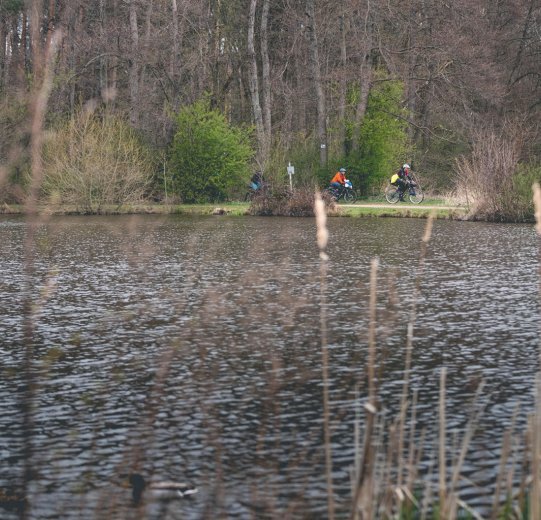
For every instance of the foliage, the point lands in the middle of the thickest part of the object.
(521, 192)
(384, 144)
(11, 6)
(94, 160)
(209, 158)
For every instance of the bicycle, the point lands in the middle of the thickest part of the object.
(344, 192)
(263, 190)
(413, 190)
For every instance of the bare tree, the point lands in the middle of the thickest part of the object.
(318, 83)
(134, 63)
(266, 81)
(254, 87)
(364, 36)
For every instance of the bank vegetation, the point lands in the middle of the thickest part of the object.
(192, 97)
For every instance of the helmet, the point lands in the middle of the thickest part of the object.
(406, 166)
(342, 170)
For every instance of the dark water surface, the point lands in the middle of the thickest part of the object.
(190, 349)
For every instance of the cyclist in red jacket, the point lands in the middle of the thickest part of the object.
(339, 179)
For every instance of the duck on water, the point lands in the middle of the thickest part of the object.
(159, 490)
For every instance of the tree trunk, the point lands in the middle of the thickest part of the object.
(365, 79)
(343, 87)
(254, 86)
(3, 63)
(318, 84)
(174, 55)
(51, 16)
(267, 97)
(34, 62)
(134, 65)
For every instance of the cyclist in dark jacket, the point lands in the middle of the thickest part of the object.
(256, 181)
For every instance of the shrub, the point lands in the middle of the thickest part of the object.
(209, 159)
(93, 160)
(283, 202)
(496, 186)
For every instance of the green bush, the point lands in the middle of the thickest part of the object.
(519, 201)
(93, 160)
(210, 159)
(384, 143)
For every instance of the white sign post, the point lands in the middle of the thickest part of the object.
(290, 172)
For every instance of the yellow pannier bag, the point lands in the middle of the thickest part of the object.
(394, 178)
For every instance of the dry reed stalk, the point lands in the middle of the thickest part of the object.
(442, 443)
(362, 506)
(537, 205)
(387, 472)
(372, 333)
(411, 464)
(322, 240)
(36, 135)
(502, 466)
(321, 224)
(427, 498)
(368, 486)
(470, 429)
(535, 495)
(506, 450)
(409, 339)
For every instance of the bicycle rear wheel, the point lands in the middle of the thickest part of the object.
(391, 194)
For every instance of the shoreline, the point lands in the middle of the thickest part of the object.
(241, 209)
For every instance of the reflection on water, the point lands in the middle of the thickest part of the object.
(190, 348)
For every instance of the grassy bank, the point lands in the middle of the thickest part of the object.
(360, 209)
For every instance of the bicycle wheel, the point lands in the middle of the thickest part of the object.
(417, 196)
(391, 194)
(350, 196)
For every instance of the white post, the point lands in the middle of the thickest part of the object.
(290, 172)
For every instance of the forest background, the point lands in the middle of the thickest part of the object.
(112, 101)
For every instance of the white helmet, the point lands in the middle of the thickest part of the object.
(406, 167)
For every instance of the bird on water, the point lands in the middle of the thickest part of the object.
(160, 490)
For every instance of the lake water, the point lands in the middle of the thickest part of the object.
(189, 348)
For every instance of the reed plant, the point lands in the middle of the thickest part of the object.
(493, 180)
(386, 481)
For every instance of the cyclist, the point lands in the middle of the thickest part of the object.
(339, 179)
(256, 181)
(401, 179)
